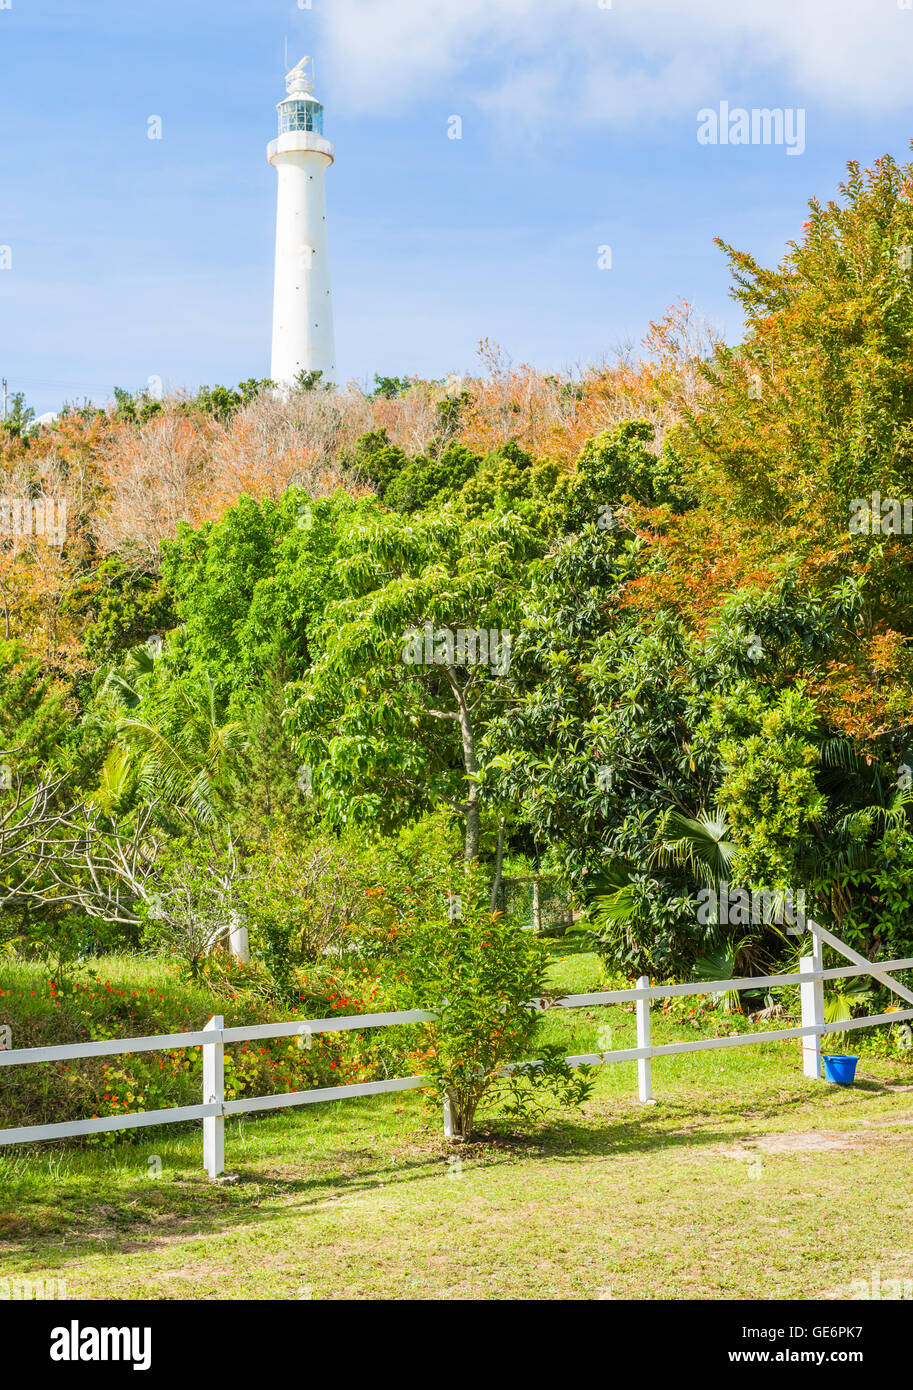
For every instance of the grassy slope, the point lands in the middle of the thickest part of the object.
(744, 1180)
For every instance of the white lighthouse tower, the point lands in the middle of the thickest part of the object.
(302, 305)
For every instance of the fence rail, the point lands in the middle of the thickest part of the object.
(215, 1036)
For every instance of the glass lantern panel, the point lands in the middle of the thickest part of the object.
(301, 115)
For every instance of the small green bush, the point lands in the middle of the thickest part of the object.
(478, 971)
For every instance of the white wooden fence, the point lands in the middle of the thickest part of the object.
(215, 1035)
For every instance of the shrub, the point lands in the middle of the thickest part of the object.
(192, 906)
(640, 928)
(478, 971)
(298, 902)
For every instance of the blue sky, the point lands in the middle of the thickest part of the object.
(134, 258)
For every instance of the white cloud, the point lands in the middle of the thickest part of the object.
(576, 63)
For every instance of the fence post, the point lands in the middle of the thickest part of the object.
(448, 1115)
(238, 939)
(214, 1090)
(644, 1080)
(811, 995)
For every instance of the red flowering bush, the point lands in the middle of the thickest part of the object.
(92, 1008)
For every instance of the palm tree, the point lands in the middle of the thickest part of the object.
(845, 844)
(719, 963)
(703, 848)
(700, 847)
(118, 782)
(126, 681)
(171, 746)
(181, 755)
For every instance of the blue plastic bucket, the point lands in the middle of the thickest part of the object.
(840, 1068)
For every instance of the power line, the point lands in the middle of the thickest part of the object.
(31, 383)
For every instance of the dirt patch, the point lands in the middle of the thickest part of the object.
(813, 1141)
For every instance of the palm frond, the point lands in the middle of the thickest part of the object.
(116, 776)
(620, 906)
(840, 753)
(702, 847)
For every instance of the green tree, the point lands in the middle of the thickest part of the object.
(250, 589)
(121, 605)
(390, 387)
(413, 662)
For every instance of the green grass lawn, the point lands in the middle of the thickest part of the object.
(743, 1180)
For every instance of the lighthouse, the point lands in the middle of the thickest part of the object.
(302, 304)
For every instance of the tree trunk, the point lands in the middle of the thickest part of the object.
(496, 885)
(462, 1111)
(472, 807)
